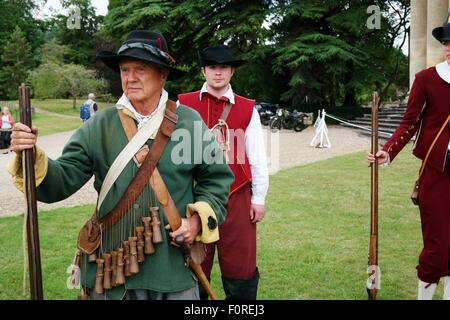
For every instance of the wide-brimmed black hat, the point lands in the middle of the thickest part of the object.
(442, 33)
(219, 54)
(143, 45)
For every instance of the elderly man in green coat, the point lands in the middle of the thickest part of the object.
(191, 166)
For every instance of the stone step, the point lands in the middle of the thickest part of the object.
(381, 135)
(389, 119)
(383, 116)
(383, 120)
(400, 111)
(368, 124)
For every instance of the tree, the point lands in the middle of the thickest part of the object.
(52, 80)
(54, 52)
(79, 41)
(19, 13)
(45, 81)
(16, 62)
(77, 80)
(189, 26)
(329, 52)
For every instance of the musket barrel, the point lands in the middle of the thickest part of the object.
(34, 257)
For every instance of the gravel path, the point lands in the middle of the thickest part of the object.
(294, 150)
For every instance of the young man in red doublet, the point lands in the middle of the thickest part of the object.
(235, 116)
(428, 109)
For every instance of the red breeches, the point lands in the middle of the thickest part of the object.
(434, 204)
(237, 244)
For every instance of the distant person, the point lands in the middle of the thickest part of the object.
(231, 114)
(88, 108)
(6, 124)
(428, 114)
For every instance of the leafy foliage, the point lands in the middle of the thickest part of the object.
(303, 55)
(16, 61)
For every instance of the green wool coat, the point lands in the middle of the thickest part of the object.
(91, 151)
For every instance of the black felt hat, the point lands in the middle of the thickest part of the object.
(442, 33)
(219, 54)
(146, 46)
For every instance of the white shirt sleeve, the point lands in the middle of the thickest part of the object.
(256, 153)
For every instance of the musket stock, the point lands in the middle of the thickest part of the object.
(34, 257)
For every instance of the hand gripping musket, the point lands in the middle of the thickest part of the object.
(174, 219)
(34, 257)
(373, 269)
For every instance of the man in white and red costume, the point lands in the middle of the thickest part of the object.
(238, 121)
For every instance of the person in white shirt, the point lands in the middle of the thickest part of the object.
(236, 123)
(6, 123)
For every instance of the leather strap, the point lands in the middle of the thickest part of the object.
(138, 142)
(130, 130)
(226, 111)
(432, 145)
(170, 210)
(144, 173)
(156, 181)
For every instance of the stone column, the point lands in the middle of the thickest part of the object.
(418, 38)
(436, 13)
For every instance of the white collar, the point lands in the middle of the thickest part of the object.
(443, 70)
(124, 103)
(229, 94)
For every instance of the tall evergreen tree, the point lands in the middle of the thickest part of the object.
(191, 25)
(20, 13)
(16, 62)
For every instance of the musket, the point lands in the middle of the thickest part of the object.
(34, 257)
(174, 220)
(373, 269)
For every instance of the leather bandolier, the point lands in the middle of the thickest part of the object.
(119, 240)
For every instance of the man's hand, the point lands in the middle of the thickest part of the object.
(23, 137)
(189, 229)
(381, 156)
(257, 212)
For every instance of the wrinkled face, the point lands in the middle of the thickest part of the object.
(446, 49)
(218, 76)
(140, 80)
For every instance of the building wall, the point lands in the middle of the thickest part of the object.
(425, 50)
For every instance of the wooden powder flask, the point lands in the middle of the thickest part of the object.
(134, 265)
(140, 244)
(99, 277)
(114, 268)
(107, 271)
(156, 223)
(148, 236)
(120, 277)
(126, 257)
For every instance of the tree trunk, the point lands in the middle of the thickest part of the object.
(74, 102)
(350, 97)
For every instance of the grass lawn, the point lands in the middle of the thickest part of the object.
(65, 106)
(49, 124)
(313, 243)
